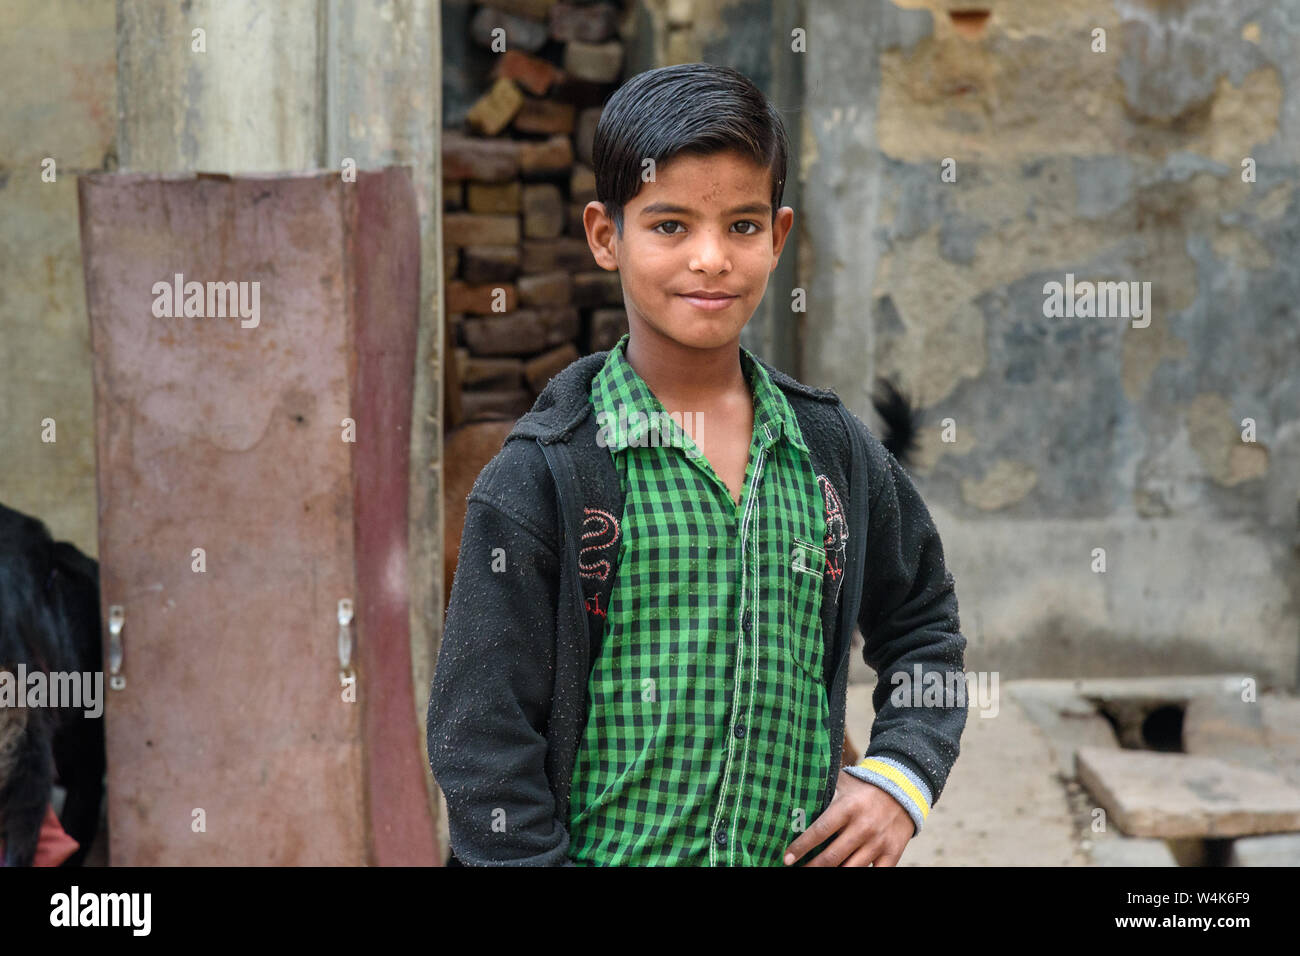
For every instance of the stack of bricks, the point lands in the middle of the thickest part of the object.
(524, 296)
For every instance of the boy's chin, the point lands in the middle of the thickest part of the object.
(702, 333)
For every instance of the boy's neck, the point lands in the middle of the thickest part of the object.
(683, 378)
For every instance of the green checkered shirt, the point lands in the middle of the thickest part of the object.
(706, 742)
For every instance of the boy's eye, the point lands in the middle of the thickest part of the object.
(674, 222)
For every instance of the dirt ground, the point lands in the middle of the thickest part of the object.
(1003, 804)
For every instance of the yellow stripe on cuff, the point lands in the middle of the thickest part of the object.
(900, 778)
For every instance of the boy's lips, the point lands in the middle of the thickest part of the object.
(708, 301)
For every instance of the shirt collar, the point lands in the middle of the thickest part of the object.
(632, 412)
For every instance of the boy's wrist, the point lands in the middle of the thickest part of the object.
(897, 777)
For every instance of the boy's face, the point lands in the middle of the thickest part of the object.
(704, 224)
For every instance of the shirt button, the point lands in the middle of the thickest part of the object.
(747, 626)
(721, 838)
(740, 730)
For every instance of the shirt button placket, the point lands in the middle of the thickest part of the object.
(732, 788)
(747, 634)
(748, 611)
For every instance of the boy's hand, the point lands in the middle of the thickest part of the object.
(873, 828)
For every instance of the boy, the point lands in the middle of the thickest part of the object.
(646, 650)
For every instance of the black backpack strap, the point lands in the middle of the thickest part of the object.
(859, 506)
(591, 506)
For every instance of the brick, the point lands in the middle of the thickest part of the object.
(599, 288)
(460, 355)
(481, 264)
(532, 9)
(607, 327)
(581, 93)
(585, 135)
(545, 116)
(543, 211)
(582, 184)
(521, 33)
(548, 255)
(453, 194)
(573, 223)
(479, 299)
(590, 23)
(594, 62)
(522, 332)
(494, 110)
(450, 262)
(554, 155)
(499, 373)
(538, 371)
(461, 229)
(485, 160)
(512, 402)
(549, 288)
(532, 73)
(455, 331)
(495, 198)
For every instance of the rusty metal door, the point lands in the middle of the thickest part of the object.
(254, 343)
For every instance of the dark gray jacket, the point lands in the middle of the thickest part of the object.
(509, 699)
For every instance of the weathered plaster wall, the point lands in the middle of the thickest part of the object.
(1075, 433)
(58, 74)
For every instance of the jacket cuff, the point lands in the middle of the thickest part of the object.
(897, 778)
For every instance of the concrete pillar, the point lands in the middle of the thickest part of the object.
(296, 85)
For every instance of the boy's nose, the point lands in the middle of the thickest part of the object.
(709, 254)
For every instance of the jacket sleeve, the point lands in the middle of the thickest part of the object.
(909, 620)
(492, 688)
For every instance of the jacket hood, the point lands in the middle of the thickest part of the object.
(564, 402)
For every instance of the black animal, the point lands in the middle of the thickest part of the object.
(49, 621)
(902, 421)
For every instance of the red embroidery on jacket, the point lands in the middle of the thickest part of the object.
(603, 526)
(837, 534)
(593, 605)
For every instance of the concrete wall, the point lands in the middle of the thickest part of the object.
(1073, 434)
(58, 73)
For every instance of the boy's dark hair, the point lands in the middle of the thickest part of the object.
(696, 108)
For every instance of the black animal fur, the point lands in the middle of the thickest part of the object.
(49, 621)
(902, 421)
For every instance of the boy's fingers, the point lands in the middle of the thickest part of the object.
(848, 844)
(821, 830)
(888, 859)
(865, 856)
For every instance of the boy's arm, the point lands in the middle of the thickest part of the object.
(908, 617)
(491, 695)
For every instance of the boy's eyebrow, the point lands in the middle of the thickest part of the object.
(656, 208)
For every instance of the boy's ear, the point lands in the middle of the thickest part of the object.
(601, 235)
(781, 232)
